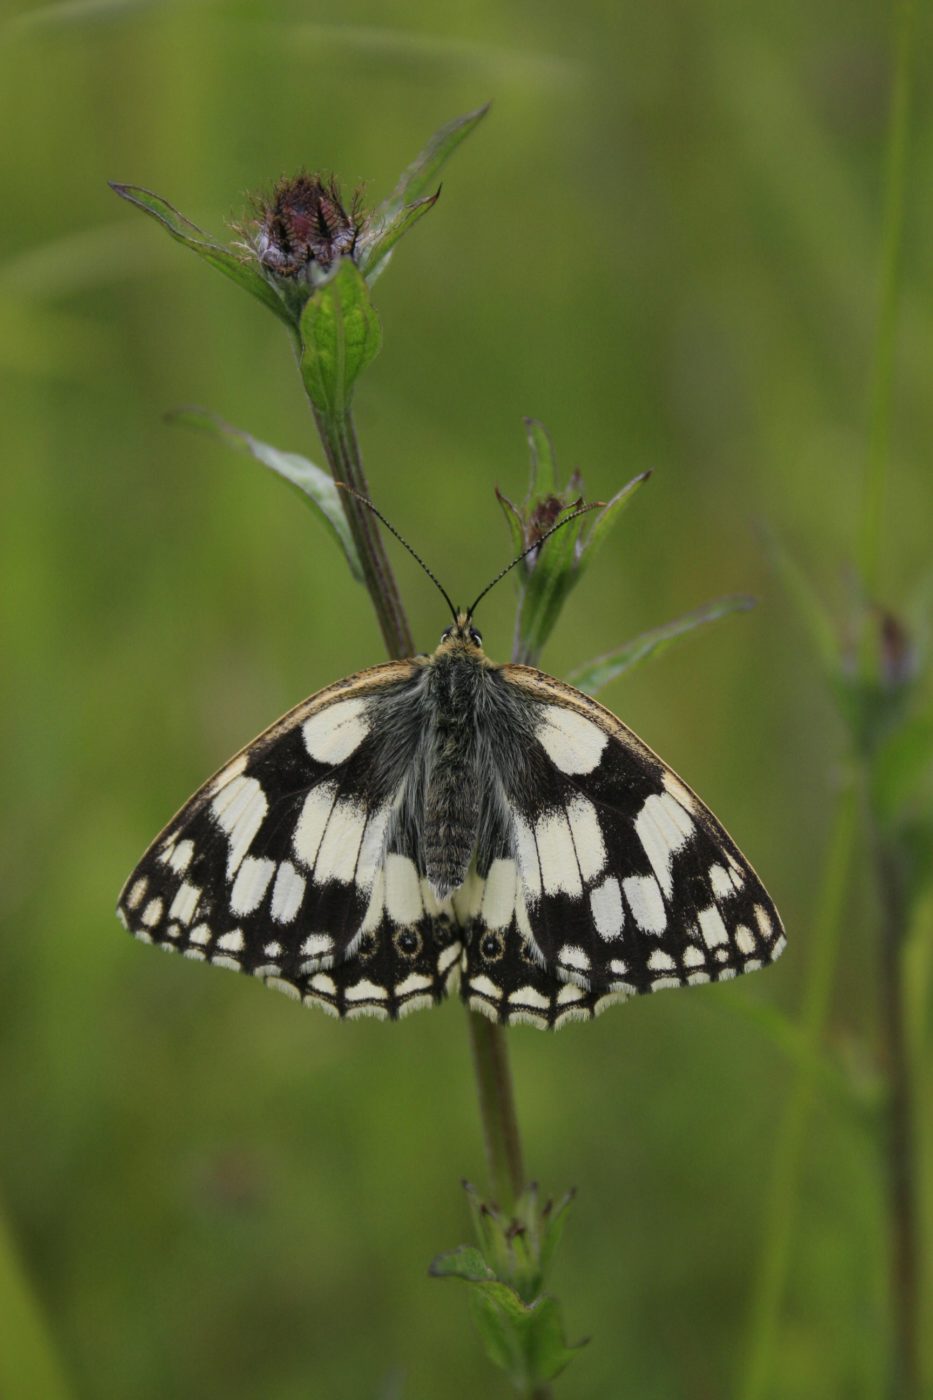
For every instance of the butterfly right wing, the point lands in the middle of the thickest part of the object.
(289, 864)
(609, 878)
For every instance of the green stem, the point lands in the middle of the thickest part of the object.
(902, 1193)
(873, 494)
(341, 448)
(768, 1288)
(497, 1110)
(900, 1137)
(489, 1050)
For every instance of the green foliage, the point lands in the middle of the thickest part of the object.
(340, 335)
(411, 198)
(520, 1325)
(594, 675)
(547, 575)
(232, 265)
(313, 485)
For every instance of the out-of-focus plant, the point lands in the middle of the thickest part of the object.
(877, 667)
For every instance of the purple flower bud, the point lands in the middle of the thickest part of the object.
(304, 228)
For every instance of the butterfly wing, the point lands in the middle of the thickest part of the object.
(290, 863)
(621, 880)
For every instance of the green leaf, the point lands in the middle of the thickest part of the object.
(421, 177)
(525, 1341)
(375, 244)
(243, 273)
(514, 520)
(596, 674)
(553, 1229)
(608, 516)
(547, 588)
(464, 1262)
(340, 334)
(543, 460)
(316, 487)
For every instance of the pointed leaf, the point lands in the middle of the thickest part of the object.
(340, 334)
(553, 1229)
(608, 516)
(596, 674)
(421, 177)
(510, 511)
(543, 460)
(316, 487)
(182, 229)
(375, 244)
(464, 1262)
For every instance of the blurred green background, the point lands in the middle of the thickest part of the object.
(664, 242)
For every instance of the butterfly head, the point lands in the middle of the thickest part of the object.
(462, 635)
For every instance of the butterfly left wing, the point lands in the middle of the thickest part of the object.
(613, 880)
(287, 864)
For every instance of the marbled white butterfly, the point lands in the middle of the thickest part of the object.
(442, 820)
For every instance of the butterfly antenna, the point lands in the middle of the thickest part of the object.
(594, 505)
(365, 501)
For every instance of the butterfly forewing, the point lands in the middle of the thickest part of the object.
(286, 864)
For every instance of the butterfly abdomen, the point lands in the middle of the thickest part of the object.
(452, 799)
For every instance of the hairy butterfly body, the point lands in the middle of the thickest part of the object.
(446, 819)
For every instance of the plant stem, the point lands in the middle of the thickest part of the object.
(900, 1136)
(902, 1195)
(346, 464)
(487, 1041)
(873, 493)
(497, 1109)
(768, 1287)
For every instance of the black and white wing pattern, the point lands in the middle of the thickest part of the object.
(614, 878)
(288, 864)
(596, 873)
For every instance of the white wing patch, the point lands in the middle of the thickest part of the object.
(572, 743)
(287, 893)
(312, 823)
(643, 894)
(560, 870)
(334, 733)
(240, 809)
(663, 828)
(606, 908)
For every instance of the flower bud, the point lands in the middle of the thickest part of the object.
(304, 228)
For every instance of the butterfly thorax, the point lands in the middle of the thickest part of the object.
(458, 676)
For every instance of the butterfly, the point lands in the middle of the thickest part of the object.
(444, 820)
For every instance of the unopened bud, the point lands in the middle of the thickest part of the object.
(304, 228)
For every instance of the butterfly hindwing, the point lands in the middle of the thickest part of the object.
(286, 864)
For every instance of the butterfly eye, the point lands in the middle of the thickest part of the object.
(445, 635)
(476, 637)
